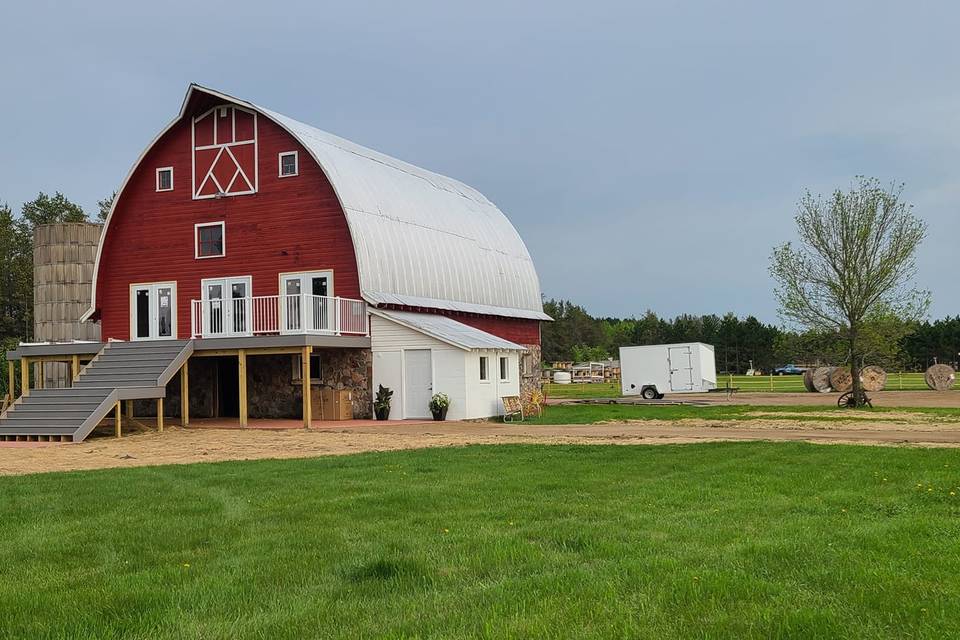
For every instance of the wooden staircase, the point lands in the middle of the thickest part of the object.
(121, 371)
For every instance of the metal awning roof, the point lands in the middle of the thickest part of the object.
(448, 330)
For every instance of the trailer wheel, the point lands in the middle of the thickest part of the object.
(649, 393)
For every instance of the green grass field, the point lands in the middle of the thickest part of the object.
(594, 413)
(750, 540)
(781, 384)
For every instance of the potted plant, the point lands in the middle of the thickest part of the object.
(381, 404)
(439, 404)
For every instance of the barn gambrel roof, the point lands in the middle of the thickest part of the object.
(420, 239)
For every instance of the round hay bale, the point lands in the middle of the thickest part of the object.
(820, 379)
(873, 378)
(808, 381)
(940, 377)
(841, 379)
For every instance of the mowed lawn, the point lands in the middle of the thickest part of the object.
(716, 540)
(597, 413)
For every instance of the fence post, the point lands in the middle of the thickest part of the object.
(900, 378)
(771, 382)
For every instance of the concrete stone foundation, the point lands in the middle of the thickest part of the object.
(272, 390)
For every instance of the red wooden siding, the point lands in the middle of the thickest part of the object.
(519, 330)
(291, 224)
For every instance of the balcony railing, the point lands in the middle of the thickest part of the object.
(278, 315)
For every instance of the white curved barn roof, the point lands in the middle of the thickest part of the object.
(420, 239)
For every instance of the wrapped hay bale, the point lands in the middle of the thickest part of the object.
(808, 381)
(841, 379)
(820, 379)
(873, 378)
(940, 377)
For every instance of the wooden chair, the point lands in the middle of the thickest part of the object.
(512, 407)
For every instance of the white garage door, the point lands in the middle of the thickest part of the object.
(418, 383)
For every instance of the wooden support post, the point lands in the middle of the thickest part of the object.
(160, 415)
(24, 377)
(130, 409)
(74, 368)
(11, 380)
(116, 419)
(42, 376)
(185, 393)
(305, 375)
(242, 371)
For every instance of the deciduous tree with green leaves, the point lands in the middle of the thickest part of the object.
(855, 259)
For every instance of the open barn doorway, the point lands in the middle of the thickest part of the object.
(226, 399)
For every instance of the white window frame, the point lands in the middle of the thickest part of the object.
(503, 370)
(297, 369)
(161, 170)
(134, 287)
(196, 239)
(296, 164)
(483, 367)
(227, 302)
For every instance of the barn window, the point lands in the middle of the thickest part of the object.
(165, 179)
(484, 369)
(315, 377)
(289, 165)
(210, 240)
(504, 369)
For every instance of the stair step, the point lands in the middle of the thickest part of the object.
(100, 372)
(71, 414)
(39, 421)
(41, 405)
(128, 362)
(72, 392)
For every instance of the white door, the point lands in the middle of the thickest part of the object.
(306, 302)
(681, 369)
(226, 306)
(153, 311)
(417, 382)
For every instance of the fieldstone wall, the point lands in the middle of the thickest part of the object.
(530, 376)
(202, 377)
(272, 391)
(350, 369)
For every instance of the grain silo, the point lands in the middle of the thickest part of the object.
(63, 261)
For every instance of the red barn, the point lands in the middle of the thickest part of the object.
(261, 266)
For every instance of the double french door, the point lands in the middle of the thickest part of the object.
(306, 302)
(226, 306)
(153, 311)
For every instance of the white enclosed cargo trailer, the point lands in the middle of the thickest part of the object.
(653, 370)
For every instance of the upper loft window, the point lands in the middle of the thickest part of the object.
(289, 164)
(209, 240)
(165, 179)
(224, 152)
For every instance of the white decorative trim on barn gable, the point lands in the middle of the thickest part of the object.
(224, 155)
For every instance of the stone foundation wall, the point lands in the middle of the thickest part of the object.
(530, 376)
(272, 391)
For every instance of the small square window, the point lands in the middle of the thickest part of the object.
(504, 369)
(209, 239)
(484, 368)
(165, 179)
(315, 377)
(289, 165)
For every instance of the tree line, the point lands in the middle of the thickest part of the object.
(16, 262)
(741, 341)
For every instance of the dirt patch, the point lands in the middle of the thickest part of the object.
(181, 446)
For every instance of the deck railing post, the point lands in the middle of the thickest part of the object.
(336, 308)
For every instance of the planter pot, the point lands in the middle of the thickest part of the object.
(440, 414)
(382, 414)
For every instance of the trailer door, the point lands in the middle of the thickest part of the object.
(681, 369)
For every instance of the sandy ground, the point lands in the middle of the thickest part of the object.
(179, 446)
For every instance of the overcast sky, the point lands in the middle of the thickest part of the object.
(650, 154)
